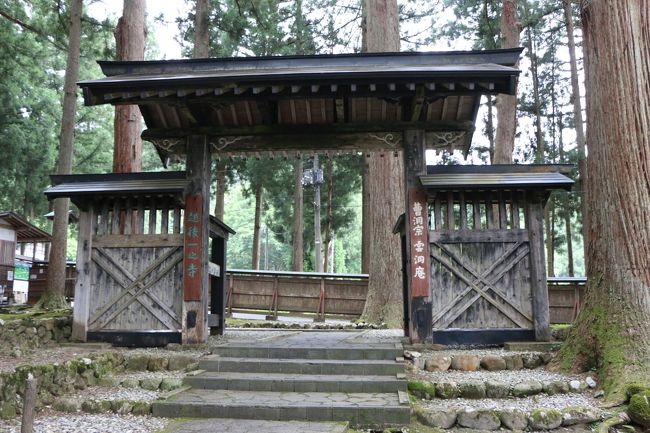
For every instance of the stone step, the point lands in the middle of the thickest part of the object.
(231, 425)
(301, 366)
(350, 352)
(365, 410)
(295, 382)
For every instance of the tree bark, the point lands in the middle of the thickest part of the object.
(202, 36)
(549, 224)
(611, 332)
(577, 115)
(489, 127)
(256, 227)
(298, 218)
(328, 225)
(507, 104)
(365, 217)
(130, 36)
(385, 185)
(54, 296)
(539, 134)
(318, 242)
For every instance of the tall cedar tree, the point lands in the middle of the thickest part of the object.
(611, 333)
(130, 36)
(504, 143)
(54, 294)
(385, 189)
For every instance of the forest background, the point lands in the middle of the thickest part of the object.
(33, 38)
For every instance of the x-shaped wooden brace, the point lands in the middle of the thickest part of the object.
(135, 289)
(473, 281)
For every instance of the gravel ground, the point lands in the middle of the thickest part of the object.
(55, 422)
(245, 335)
(379, 335)
(528, 404)
(139, 375)
(508, 376)
(115, 393)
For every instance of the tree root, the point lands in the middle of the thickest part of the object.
(621, 418)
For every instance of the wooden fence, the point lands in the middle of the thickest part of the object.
(345, 294)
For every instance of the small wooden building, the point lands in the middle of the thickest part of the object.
(137, 256)
(15, 231)
(481, 254)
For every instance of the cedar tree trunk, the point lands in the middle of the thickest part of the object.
(385, 182)
(256, 227)
(328, 224)
(130, 35)
(298, 215)
(611, 332)
(201, 35)
(507, 104)
(54, 294)
(219, 204)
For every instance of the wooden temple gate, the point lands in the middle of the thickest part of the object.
(134, 256)
(397, 104)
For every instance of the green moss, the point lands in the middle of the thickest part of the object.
(636, 388)
(422, 389)
(639, 408)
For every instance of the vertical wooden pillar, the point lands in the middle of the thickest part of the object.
(534, 225)
(196, 232)
(218, 285)
(82, 290)
(418, 266)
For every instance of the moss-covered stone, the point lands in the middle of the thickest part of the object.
(151, 383)
(580, 415)
(64, 404)
(137, 362)
(130, 382)
(526, 389)
(96, 406)
(170, 383)
(443, 419)
(141, 408)
(639, 408)
(636, 388)
(121, 407)
(514, 419)
(447, 390)
(497, 389)
(545, 419)
(157, 363)
(473, 390)
(422, 389)
(479, 419)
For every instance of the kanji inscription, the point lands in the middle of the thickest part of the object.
(418, 232)
(193, 232)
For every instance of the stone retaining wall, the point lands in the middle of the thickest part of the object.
(55, 380)
(31, 333)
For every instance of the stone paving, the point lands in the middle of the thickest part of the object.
(254, 426)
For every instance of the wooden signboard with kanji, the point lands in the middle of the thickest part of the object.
(193, 232)
(418, 231)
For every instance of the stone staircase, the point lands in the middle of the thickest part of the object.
(304, 377)
(498, 389)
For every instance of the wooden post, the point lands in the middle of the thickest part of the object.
(541, 314)
(418, 265)
(196, 240)
(27, 425)
(82, 290)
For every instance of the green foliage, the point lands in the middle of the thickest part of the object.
(31, 65)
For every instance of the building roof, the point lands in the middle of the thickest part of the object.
(83, 187)
(478, 177)
(293, 99)
(25, 231)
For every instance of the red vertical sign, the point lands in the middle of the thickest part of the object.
(193, 248)
(418, 225)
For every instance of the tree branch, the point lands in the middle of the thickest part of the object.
(31, 29)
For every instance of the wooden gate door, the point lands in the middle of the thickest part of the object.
(480, 270)
(135, 279)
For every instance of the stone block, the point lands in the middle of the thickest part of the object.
(64, 404)
(531, 360)
(157, 363)
(514, 419)
(169, 383)
(121, 407)
(137, 362)
(443, 419)
(141, 408)
(496, 389)
(437, 363)
(493, 363)
(479, 419)
(447, 390)
(545, 419)
(514, 362)
(580, 415)
(473, 390)
(180, 362)
(525, 389)
(553, 387)
(151, 383)
(465, 362)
